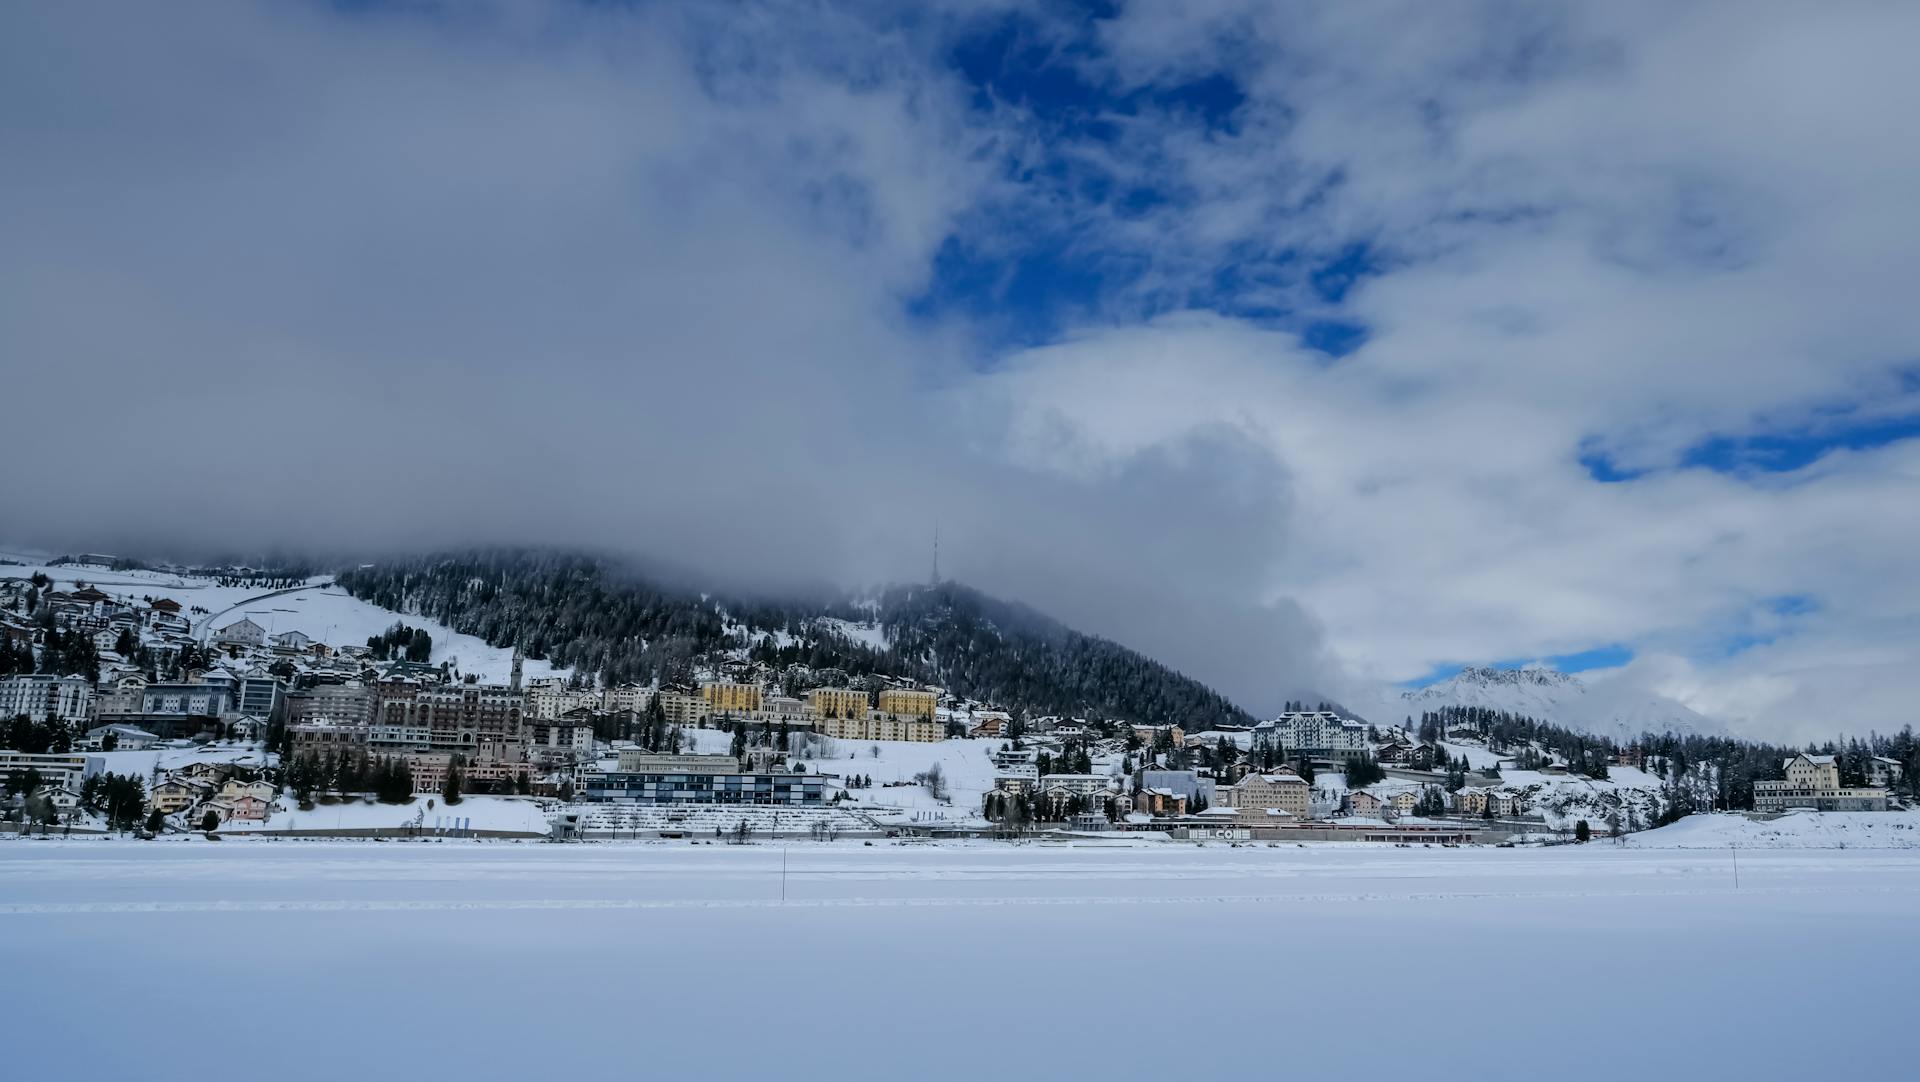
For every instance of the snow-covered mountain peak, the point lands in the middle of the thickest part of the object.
(1532, 677)
(1609, 706)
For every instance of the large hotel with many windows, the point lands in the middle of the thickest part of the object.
(643, 778)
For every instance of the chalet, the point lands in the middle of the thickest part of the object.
(247, 728)
(1883, 772)
(1505, 802)
(1007, 757)
(209, 772)
(242, 632)
(125, 738)
(63, 797)
(248, 810)
(989, 723)
(222, 811)
(1393, 752)
(178, 793)
(1362, 802)
(1407, 755)
(1470, 801)
(236, 790)
(1159, 802)
(1152, 734)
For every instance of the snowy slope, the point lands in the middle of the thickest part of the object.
(321, 610)
(189, 590)
(892, 764)
(870, 635)
(331, 615)
(1607, 707)
(149, 764)
(1794, 830)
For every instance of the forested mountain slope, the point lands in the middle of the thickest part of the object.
(597, 615)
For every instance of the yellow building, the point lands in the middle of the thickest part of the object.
(837, 702)
(878, 726)
(908, 704)
(726, 698)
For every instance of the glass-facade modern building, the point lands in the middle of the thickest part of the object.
(645, 787)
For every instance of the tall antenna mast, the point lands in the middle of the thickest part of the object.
(936, 554)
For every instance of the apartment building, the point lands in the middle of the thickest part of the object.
(349, 703)
(1083, 785)
(182, 700)
(120, 695)
(682, 707)
(838, 702)
(724, 697)
(257, 692)
(41, 696)
(322, 736)
(1288, 792)
(550, 698)
(570, 736)
(878, 726)
(909, 703)
(429, 770)
(56, 768)
(626, 699)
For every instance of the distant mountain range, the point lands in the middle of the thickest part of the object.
(1606, 707)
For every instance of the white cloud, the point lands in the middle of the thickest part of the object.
(1624, 228)
(637, 278)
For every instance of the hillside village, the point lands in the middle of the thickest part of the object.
(132, 710)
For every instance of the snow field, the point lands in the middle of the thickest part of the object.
(527, 960)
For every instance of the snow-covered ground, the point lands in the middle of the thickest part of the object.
(189, 590)
(528, 960)
(146, 765)
(331, 615)
(522, 814)
(1794, 830)
(893, 764)
(868, 634)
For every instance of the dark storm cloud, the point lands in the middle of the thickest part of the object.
(282, 276)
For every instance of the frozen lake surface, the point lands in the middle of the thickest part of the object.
(330, 960)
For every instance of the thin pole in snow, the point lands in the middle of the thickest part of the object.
(783, 873)
(1736, 867)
